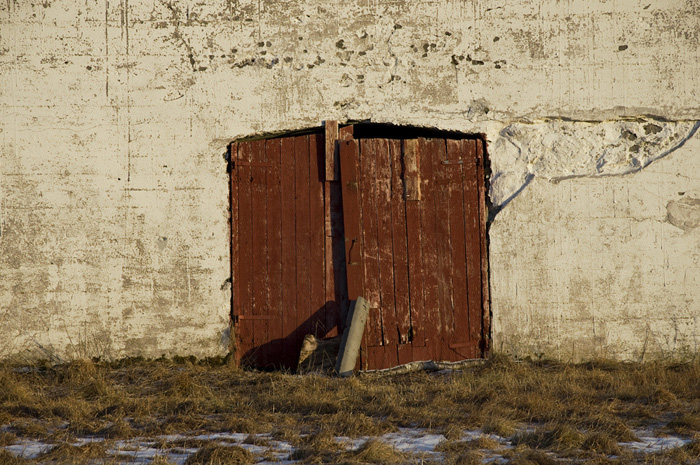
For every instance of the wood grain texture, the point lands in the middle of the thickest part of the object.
(385, 246)
(331, 165)
(473, 239)
(368, 204)
(289, 251)
(400, 247)
(274, 246)
(429, 155)
(349, 153)
(414, 242)
(301, 211)
(245, 218)
(317, 244)
(456, 213)
(260, 278)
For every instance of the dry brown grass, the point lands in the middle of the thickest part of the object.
(7, 458)
(374, 451)
(525, 456)
(602, 443)
(317, 448)
(221, 455)
(69, 454)
(585, 407)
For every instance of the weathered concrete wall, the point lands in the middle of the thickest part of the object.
(114, 116)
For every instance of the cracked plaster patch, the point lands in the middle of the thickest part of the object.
(556, 150)
(684, 213)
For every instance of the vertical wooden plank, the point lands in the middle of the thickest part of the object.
(338, 251)
(411, 177)
(444, 186)
(245, 218)
(259, 250)
(317, 273)
(415, 243)
(398, 216)
(368, 195)
(331, 151)
(235, 248)
(472, 238)
(288, 240)
(349, 153)
(274, 241)
(483, 231)
(301, 209)
(332, 173)
(385, 249)
(457, 215)
(332, 267)
(435, 227)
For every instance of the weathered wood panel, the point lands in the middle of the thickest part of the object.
(259, 272)
(400, 247)
(317, 244)
(245, 218)
(429, 154)
(368, 204)
(274, 240)
(349, 154)
(301, 211)
(414, 239)
(289, 251)
(404, 227)
(460, 305)
(473, 239)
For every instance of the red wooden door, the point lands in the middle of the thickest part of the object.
(283, 282)
(403, 226)
(414, 217)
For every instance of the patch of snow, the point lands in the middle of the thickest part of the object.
(648, 443)
(29, 448)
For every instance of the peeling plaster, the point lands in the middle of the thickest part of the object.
(557, 149)
(684, 213)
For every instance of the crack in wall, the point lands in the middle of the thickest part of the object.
(557, 149)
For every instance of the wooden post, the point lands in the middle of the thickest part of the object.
(332, 165)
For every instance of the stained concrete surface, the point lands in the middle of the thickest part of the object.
(114, 116)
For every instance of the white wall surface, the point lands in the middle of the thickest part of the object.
(114, 116)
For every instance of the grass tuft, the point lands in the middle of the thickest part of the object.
(67, 453)
(319, 446)
(602, 443)
(221, 455)
(502, 427)
(531, 457)
(7, 458)
(686, 424)
(557, 437)
(375, 451)
(468, 457)
(7, 439)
